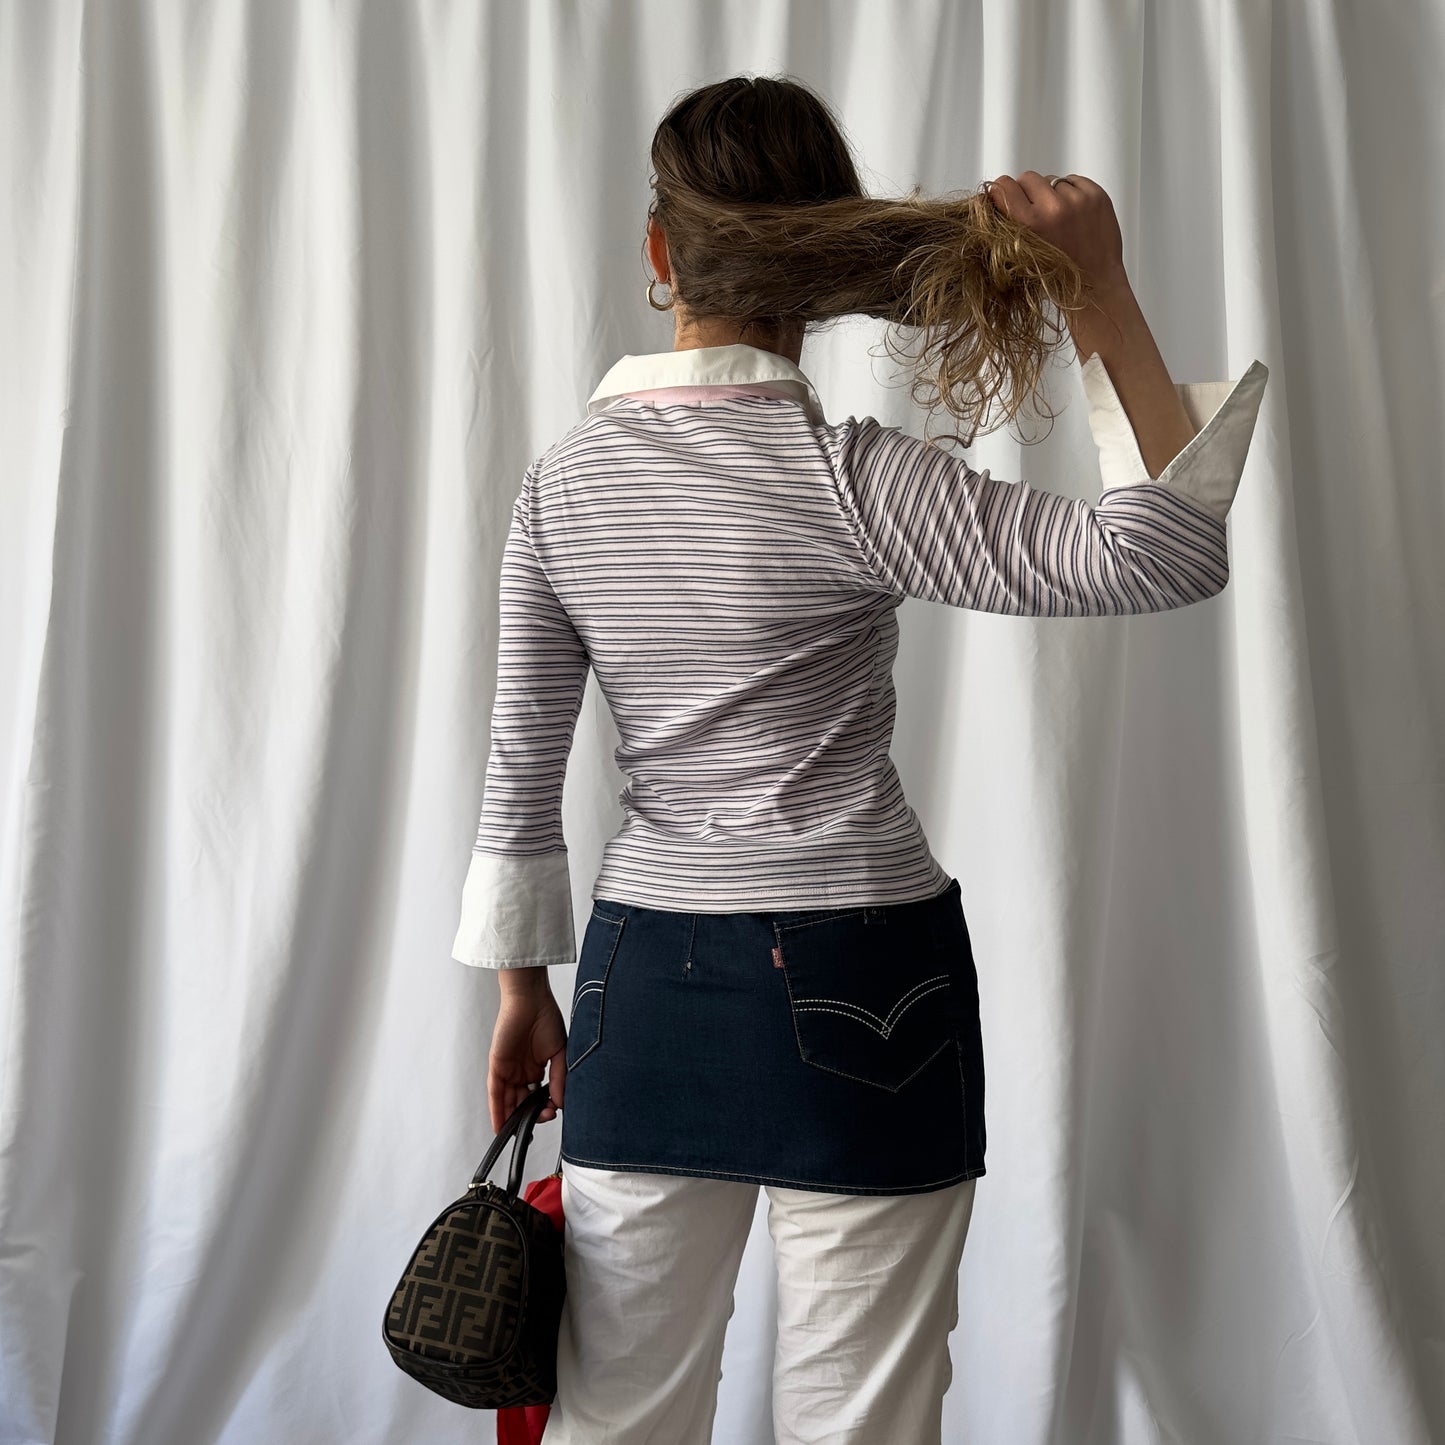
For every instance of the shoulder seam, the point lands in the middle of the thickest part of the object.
(851, 424)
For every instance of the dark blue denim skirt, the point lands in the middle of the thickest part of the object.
(834, 1049)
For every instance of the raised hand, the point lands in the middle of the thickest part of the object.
(1076, 215)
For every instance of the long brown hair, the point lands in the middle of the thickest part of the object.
(766, 222)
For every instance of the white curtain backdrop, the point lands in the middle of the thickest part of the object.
(292, 293)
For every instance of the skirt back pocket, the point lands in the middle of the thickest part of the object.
(870, 990)
(599, 948)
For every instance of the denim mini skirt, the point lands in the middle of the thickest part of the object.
(834, 1049)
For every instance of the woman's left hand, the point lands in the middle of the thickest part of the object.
(1077, 216)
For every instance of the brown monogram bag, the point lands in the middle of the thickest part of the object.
(476, 1311)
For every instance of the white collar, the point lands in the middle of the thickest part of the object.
(732, 365)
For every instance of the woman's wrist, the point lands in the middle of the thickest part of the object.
(1108, 302)
(529, 982)
(1114, 326)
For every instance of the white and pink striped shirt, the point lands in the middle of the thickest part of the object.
(730, 565)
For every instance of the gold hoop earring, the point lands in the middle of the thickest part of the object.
(657, 305)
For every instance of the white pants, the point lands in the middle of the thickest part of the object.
(867, 1297)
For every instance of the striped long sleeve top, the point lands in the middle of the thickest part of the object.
(729, 563)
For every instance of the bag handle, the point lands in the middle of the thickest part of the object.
(523, 1118)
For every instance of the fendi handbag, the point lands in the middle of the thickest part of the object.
(476, 1312)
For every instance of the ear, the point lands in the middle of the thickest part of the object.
(657, 250)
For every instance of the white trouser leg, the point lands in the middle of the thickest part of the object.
(651, 1262)
(867, 1297)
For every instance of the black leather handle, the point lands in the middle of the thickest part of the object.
(523, 1118)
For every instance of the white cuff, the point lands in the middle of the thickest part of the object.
(516, 912)
(1208, 469)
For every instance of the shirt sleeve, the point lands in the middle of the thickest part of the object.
(517, 897)
(928, 525)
